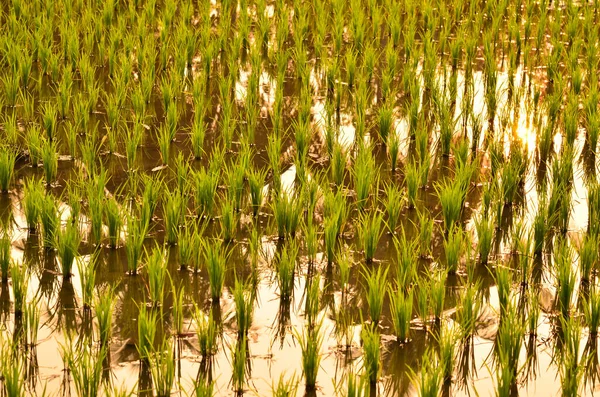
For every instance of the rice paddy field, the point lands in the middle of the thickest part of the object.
(299, 197)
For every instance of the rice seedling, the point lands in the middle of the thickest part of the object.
(244, 306)
(67, 247)
(85, 364)
(7, 167)
(393, 150)
(337, 164)
(370, 233)
(174, 211)
(588, 257)
(239, 354)
(371, 352)
(134, 240)
(156, 263)
(375, 284)
(485, 233)
(467, 312)
(406, 260)
(572, 369)
(162, 368)
(5, 255)
(425, 233)
(565, 277)
(429, 380)
(447, 342)
(87, 275)
(287, 211)
(256, 183)
(19, 277)
(147, 324)
(206, 183)
(286, 268)
(503, 280)
(215, 257)
(393, 206)
(104, 307)
(401, 312)
(509, 340)
(454, 244)
(591, 311)
(437, 290)
(285, 388)
(203, 388)
(114, 221)
(365, 175)
(206, 329)
(310, 341)
(451, 196)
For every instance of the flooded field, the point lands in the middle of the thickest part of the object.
(305, 197)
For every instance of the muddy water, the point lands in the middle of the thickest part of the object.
(273, 348)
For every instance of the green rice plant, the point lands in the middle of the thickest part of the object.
(7, 167)
(369, 233)
(203, 388)
(235, 175)
(540, 227)
(49, 120)
(104, 306)
(337, 164)
(386, 122)
(20, 280)
(5, 255)
(375, 283)
(588, 257)
(32, 198)
(114, 221)
(310, 341)
(509, 340)
(429, 380)
(50, 161)
(565, 276)
(198, 135)
(401, 312)
(286, 268)
(406, 260)
(485, 233)
(134, 242)
(164, 140)
(50, 220)
(229, 220)
(508, 183)
(11, 84)
(87, 275)
(447, 342)
(330, 237)
(206, 329)
(437, 291)
(156, 263)
(393, 150)
(244, 307)
(572, 369)
(285, 388)
(313, 302)
(393, 205)
(67, 247)
(344, 263)
(85, 364)
(591, 311)
(425, 232)
(174, 211)
(133, 139)
(451, 196)
(239, 354)
(162, 368)
(256, 182)
(34, 145)
(467, 312)
(31, 323)
(454, 244)
(215, 257)
(503, 280)
(287, 211)
(206, 184)
(365, 175)
(371, 352)
(147, 325)
(188, 246)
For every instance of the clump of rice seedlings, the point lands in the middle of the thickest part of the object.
(229, 220)
(162, 368)
(509, 183)
(274, 153)
(174, 211)
(188, 243)
(20, 280)
(411, 179)
(393, 150)
(365, 175)
(371, 352)
(133, 139)
(425, 233)
(447, 343)
(503, 280)
(310, 342)
(454, 243)
(393, 206)
(375, 283)
(198, 134)
(114, 221)
(565, 277)
(235, 176)
(437, 291)
(96, 202)
(509, 340)
(386, 122)
(156, 263)
(468, 310)
(31, 323)
(32, 197)
(337, 163)
(244, 307)
(87, 275)
(344, 263)
(50, 220)
(67, 247)
(7, 167)
(34, 145)
(286, 267)
(134, 242)
(429, 380)
(50, 161)
(540, 227)
(588, 257)
(239, 354)
(330, 237)
(256, 182)
(285, 388)
(86, 366)
(571, 370)
(485, 233)
(591, 311)
(5, 248)
(451, 196)
(147, 324)
(206, 183)
(401, 312)
(203, 388)
(406, 260)
(287, 211)
(104, 307)
(206, 329)
(215, 257)
(370, 233)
